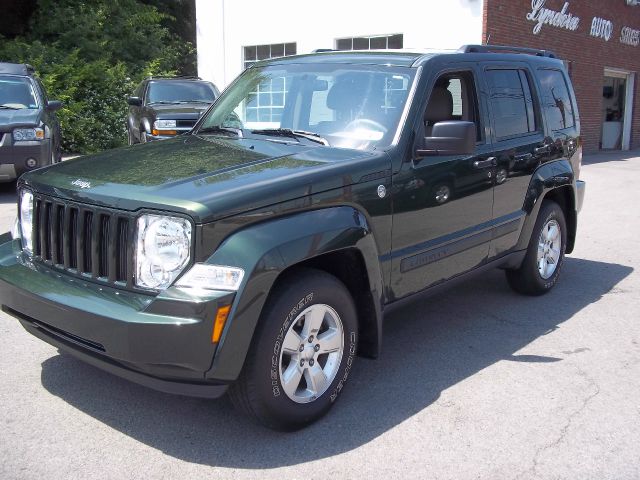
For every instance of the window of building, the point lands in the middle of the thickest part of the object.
(254, 53)
(511, 103)
(266, 103)
(373, 42)
(556, 100)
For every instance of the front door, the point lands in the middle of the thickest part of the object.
(443, 204)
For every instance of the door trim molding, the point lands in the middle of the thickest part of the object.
(443, 247)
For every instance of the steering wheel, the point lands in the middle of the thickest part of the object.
(367, 124)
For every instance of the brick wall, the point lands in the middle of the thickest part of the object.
(505, 23)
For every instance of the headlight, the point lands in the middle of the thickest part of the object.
(163, 124)
(163, 250)
(26, 220)
(27, 134)
(212, 277)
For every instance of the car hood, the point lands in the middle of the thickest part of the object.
(205, 177)
(180, 111)
(25, 117)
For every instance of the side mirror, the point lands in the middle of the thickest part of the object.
(134, 101)
(450, 138)
(54, 105)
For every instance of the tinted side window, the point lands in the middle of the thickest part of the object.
(453, 98)
(556, 99)
(511, 103)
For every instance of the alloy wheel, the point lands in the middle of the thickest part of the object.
(549, 249)
(311, 353)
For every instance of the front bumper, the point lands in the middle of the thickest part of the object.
(580, 189)
(152, 138)
(14, 156)
(162, 342)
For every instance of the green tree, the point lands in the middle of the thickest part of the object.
(90, 54)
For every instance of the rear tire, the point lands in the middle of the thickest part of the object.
(543, 261)
(301, 354)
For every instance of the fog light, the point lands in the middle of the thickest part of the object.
(32, 162)
(212, 277)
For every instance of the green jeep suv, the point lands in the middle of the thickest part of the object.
(259, 253)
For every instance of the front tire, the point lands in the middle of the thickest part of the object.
(301, 354)
(543, 261)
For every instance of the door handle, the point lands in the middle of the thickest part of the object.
(489, 162)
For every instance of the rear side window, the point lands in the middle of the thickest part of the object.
(556, 99)
(511, 103)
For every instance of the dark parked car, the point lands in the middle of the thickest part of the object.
(29, 128)
(259, 253)
(166, 107)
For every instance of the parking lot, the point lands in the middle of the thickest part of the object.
(477, 382)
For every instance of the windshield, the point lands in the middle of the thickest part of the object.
(180, 92)
(349, 106)
(16, 93)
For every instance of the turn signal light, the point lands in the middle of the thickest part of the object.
(164, 132)
(221, 319)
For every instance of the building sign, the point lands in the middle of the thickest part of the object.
(629, 36)
(601, 28)
(545, 16)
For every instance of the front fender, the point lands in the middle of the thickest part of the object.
(266, 250)
(146, 125)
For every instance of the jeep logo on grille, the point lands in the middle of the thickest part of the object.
(81, 183)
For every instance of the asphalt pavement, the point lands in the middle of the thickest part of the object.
(477, 382)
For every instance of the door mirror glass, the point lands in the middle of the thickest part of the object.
(54, 105)
(134, 101)
(454, 137)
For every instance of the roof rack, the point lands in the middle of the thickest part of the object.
(322, 50)
(505, 48)
(17, 68)
(178, 77)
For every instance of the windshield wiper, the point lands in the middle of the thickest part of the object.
(287, 132)
(7, 107)
(221, 129)
(194, 101)
(162, 102)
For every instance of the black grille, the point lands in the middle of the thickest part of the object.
(84, 240)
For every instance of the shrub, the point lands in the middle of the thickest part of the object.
(90, 55)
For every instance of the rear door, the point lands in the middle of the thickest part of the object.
(520, 146)
(443, 204)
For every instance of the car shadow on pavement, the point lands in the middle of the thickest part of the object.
(428, 347)
(8, 193)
